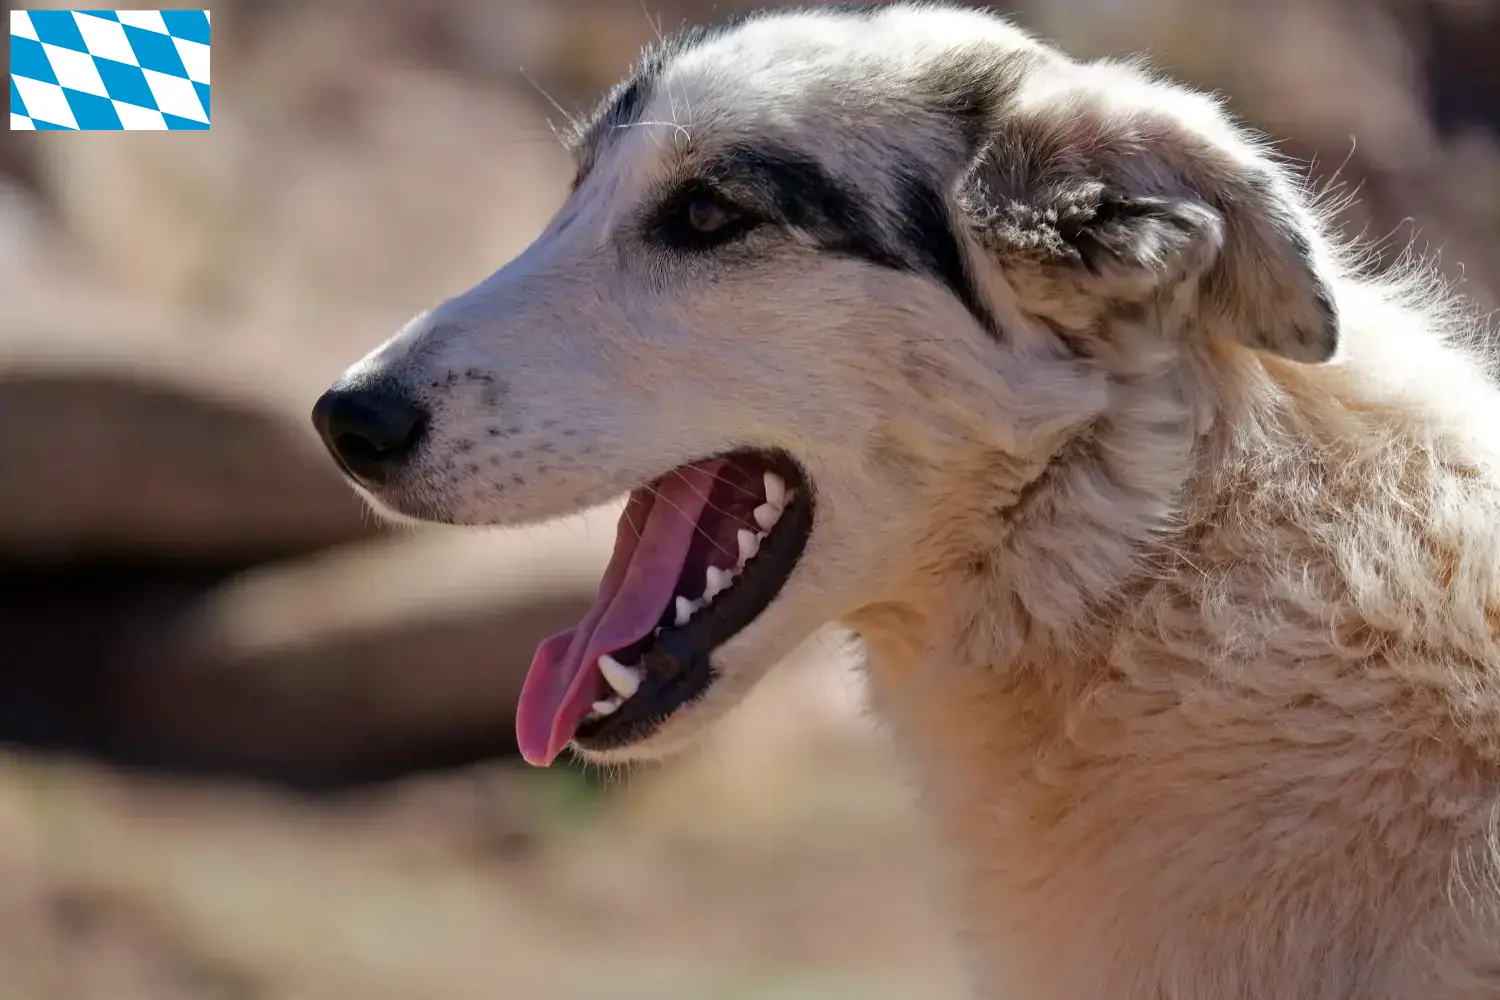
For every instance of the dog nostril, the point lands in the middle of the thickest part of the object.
(369, 429)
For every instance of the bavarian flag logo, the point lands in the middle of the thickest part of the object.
(109, 70)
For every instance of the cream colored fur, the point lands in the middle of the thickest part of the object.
(1194, 638)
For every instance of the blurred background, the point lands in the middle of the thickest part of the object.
(253, 746)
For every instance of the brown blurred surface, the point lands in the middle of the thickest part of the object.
(261, 746)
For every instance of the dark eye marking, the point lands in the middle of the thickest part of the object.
(919, 239)
(793, 187)
(698, 217)
(930, 244)
(748, 186)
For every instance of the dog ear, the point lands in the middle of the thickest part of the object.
(1164, 216)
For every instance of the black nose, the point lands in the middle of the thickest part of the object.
(371, 428)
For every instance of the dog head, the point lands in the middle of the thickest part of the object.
(828, 286)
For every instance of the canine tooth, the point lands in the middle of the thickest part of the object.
(749, 543)
(716, 580)
(766, 516)
(775, 490)
(625, 680)
(685, 609)
(607, 707)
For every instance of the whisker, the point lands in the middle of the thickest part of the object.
(672, 125)
(706, 499)
(696, 526)
(630, 520)
(655, 25)
(570, 119)
(758, 498)
(719, 477)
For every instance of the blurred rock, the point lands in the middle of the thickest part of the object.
(359, 661)
(108, 463)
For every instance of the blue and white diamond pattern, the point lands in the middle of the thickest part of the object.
(109, 69)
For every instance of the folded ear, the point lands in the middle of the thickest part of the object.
(1159, 216)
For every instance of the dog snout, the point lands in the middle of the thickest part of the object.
(371, 429)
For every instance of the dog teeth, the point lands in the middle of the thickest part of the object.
(715, 580)
(607, 707)
(775, 490)
(625, 680)
(749, 544)
(766, 516)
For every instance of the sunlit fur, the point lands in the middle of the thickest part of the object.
(1189, 623)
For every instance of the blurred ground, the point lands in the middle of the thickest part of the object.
(784, 862)
(259, 747)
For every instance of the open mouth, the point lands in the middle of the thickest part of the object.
(699, 554)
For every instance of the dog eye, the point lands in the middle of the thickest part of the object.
(700, 220)
(706, 216)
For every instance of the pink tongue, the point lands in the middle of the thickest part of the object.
(650, 547)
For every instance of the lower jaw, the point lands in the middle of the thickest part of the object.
(679, 673)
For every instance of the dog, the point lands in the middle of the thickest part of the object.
(1171, 531)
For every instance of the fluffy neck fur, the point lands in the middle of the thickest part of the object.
(1250, 603)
